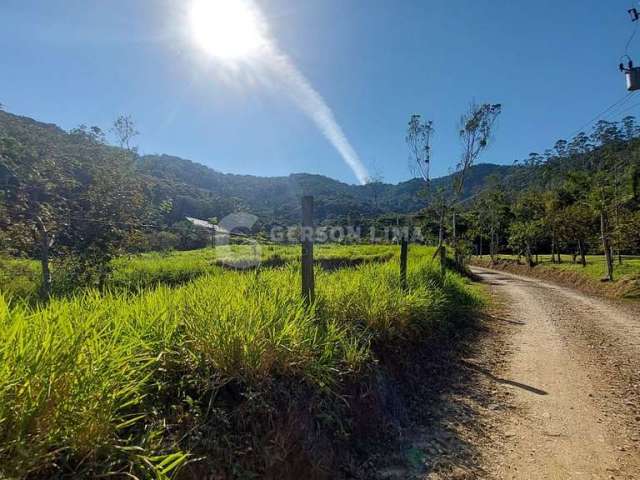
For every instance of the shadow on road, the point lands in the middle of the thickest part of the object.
(495, 318)
(444, 404)
(503, 381)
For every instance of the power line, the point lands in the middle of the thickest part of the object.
(630, 108)
(611, 107)
(531, 173)
(619, 110)
(633, 34)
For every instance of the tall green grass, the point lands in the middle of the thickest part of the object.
(176, 268)
(84, 380)
(20, 278)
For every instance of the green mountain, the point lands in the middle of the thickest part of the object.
(278, 198)
(199, 191)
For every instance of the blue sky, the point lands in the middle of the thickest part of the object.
(552, 64)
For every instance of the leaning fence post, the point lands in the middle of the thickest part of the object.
(404, 250)
(308, 286)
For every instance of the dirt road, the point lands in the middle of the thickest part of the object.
(571, 378)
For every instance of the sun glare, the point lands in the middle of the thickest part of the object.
(227, 29)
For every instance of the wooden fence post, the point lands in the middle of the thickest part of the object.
(45, 244)
(308, 284)
(404, 250)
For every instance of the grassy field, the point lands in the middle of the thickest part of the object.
(595, 268)
(20, 278)
(138, 384)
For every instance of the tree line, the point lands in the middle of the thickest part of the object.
(582, 196)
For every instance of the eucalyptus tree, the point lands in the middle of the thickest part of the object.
(478, 226)
(553, 221)
(601, 199)
(476, 128)
(124, 129)
(605, 193)
(418, 139)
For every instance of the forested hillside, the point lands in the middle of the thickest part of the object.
(88, 194)
(41, 160)
(277, 198)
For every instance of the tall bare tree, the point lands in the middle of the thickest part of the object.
(475, 131)
(418, 140)
(419, 133)
(124, 129)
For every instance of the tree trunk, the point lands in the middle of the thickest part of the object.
(480, 246)
(606, 245)
(492, 245)
(529, 258)
(583, 259)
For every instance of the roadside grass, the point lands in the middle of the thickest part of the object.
(595, 268)
(125, 384)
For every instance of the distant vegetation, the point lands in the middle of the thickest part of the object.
(581, 197)
(93, 202)
(177, 187)
(78, 202)
(595, 267)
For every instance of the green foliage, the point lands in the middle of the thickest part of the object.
(19, 278)
(90, 385)
(176, 188)
(580, 197)
(84, 194)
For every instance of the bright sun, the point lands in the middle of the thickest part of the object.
(227, 29)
